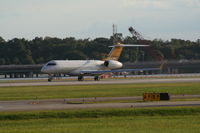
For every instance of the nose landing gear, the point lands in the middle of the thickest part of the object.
(50, 78)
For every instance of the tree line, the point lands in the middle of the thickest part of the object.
(41, 50)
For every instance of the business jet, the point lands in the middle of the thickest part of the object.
(94, 68)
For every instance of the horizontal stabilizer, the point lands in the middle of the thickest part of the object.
(130, 45)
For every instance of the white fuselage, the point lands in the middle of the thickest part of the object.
(74, 67)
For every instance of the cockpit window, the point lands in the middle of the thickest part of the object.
(51, 64)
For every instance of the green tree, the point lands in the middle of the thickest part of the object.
(2, 40)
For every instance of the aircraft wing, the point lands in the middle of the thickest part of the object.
(116, 70)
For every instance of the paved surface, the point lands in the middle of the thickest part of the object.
(109, 81)
(60, 106)
(82, 103)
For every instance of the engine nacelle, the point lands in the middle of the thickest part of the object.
(112, 64)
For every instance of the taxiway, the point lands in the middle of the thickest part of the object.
(107, 81)
(88, 103)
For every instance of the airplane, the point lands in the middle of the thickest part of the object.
(94, 68)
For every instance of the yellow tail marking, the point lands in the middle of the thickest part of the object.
(162, 65)
(115, 53)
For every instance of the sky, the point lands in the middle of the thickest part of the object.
(161, 19)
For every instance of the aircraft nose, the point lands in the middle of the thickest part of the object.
(44, 69)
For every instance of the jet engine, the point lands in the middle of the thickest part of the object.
(112, 64)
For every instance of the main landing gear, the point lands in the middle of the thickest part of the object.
(96, 78)
(80, 78)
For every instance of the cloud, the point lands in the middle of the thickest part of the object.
(188, 3)
(141, 4)
(161, 4)
(93, 18)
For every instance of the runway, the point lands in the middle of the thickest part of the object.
(104, 81)
(89, 103)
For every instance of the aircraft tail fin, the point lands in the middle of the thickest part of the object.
(117, 49)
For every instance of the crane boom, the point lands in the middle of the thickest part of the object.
(154, 53)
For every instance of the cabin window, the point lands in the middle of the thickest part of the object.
(51, 64)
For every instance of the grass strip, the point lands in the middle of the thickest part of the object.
(97, 113)
(80, 91)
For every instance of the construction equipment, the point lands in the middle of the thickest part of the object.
(154, 53)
